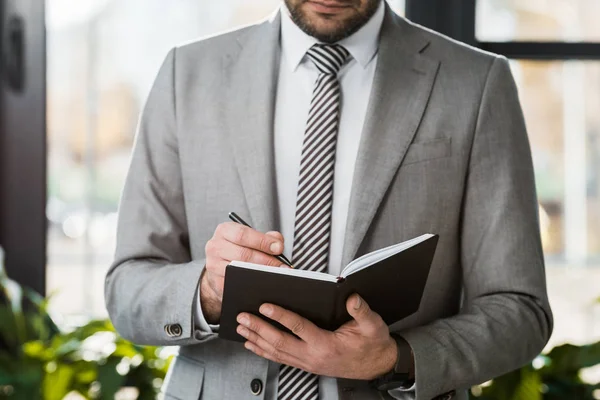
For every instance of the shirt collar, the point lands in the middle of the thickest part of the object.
(362, 44)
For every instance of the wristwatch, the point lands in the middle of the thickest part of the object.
(402, 376)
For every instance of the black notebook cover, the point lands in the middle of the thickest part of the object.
(392, 287)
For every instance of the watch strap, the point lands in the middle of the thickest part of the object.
(404, 361)
(402, 376)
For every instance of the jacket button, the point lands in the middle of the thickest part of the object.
(256, 387)
(173, 330)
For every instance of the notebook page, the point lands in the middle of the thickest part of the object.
(285, 271)
(381, 254)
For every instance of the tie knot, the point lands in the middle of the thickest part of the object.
(328, 58)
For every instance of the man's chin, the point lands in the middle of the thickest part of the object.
(328, 36)
(326, 28)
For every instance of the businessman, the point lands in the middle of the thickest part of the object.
(336, 128)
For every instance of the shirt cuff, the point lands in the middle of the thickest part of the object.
(402, 389)
(200, 322)
(403, 393)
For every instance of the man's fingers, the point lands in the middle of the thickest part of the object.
(230, 251)
(281, 358)
(280, 341)
(261, 347)
(361, 312)
(248, 237)
(300, 326)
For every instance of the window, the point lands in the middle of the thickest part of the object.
(560, 100)
(540, 20)
(398, 6)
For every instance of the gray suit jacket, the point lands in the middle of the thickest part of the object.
(444, 150)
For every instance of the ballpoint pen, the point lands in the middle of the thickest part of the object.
(236, 218)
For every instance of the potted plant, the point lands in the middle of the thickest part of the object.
(38, 359)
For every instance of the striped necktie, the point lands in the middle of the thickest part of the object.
(315, 194)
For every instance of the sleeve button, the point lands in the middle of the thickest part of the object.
(173, 330)
(256, 386)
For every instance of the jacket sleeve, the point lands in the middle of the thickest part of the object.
(505, 319)
(153, 281)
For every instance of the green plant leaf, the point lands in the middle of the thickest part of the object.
(36, 349)
(23, 316)
(8, 328)
(521, 384)
(142, 378)
(13, 293)
(7, 361)
(40, 322)
(25, 377)
(561, 388)
(57, 383)
(92, 328)
(110, 380)
(567, 360)
(125, 349)
(589, 355)
(85, 372)
(529, 387)
(66, 348)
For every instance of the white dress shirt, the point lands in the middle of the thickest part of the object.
(297, 77)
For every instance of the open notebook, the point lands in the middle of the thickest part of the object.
(391, 280)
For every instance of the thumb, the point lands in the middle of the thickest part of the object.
(361, 312)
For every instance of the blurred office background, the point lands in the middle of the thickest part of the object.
(102, 56)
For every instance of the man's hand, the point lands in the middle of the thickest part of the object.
(359, 349)
(233, 241)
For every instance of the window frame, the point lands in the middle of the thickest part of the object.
(23, 145)
(457, 18)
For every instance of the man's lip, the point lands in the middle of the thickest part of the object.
(326, 3)
(329, 4)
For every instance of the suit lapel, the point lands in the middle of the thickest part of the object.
(250, 77)
(401, 87)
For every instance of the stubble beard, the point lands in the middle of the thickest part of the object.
(345, 29)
